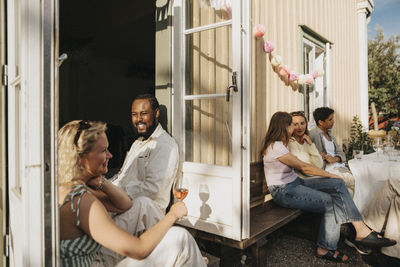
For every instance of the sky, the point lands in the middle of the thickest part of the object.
(386, 14)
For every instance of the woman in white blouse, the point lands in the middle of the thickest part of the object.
(302, 147)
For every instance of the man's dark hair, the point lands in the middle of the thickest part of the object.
(152, 99)
(322, 114)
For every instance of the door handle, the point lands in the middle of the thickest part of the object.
(233, 86)
(61, 59)
(228, 91)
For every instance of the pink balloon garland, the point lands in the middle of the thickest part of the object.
(276, 61)
(259, 31)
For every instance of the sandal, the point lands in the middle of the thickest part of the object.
(374, 241)
(330, 256)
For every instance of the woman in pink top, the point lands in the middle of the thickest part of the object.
(326, 195)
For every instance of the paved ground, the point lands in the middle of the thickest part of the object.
(293, 245)
(288, 250)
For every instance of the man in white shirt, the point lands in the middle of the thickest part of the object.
(148, 172)
(152, 162)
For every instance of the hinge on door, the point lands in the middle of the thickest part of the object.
(6, 245)
(5, 75)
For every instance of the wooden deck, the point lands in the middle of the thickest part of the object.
(264, 219)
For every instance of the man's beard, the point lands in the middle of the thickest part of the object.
(149, 130)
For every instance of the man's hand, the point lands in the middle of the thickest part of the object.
(331, 159)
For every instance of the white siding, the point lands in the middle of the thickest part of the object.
(334, 20)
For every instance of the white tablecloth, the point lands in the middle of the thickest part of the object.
(370, 173)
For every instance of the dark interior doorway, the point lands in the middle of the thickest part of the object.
(111, 59)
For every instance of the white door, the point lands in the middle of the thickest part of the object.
(14, 132)
(207, 117)
(31, 133)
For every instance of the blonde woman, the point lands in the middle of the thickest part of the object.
(86, 197)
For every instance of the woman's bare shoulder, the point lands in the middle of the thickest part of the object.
(87, 200)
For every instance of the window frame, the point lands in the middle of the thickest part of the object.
(308, 36)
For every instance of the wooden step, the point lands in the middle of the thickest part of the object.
(264, 219)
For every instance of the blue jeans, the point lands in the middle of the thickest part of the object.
(321, 195)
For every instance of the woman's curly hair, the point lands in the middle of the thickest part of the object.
(75, 140)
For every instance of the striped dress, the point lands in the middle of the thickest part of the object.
(81, 251)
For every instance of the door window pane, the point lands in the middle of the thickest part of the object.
(208, 70)
(204, 12)
(209, 61)
(208, 129)
(15, 181)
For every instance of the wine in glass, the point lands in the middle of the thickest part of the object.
(180, 192)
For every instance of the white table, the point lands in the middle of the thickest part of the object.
(370, 173)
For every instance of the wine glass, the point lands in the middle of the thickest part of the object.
(389, 140)
(357, 154)
(180, 192)
(377, 145)
(389, 144)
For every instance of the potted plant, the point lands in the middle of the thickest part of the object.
(359, 139)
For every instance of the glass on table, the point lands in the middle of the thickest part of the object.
(377, 145)
(389, 140)
(389, 144)
(357, 154)
(394, 155)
